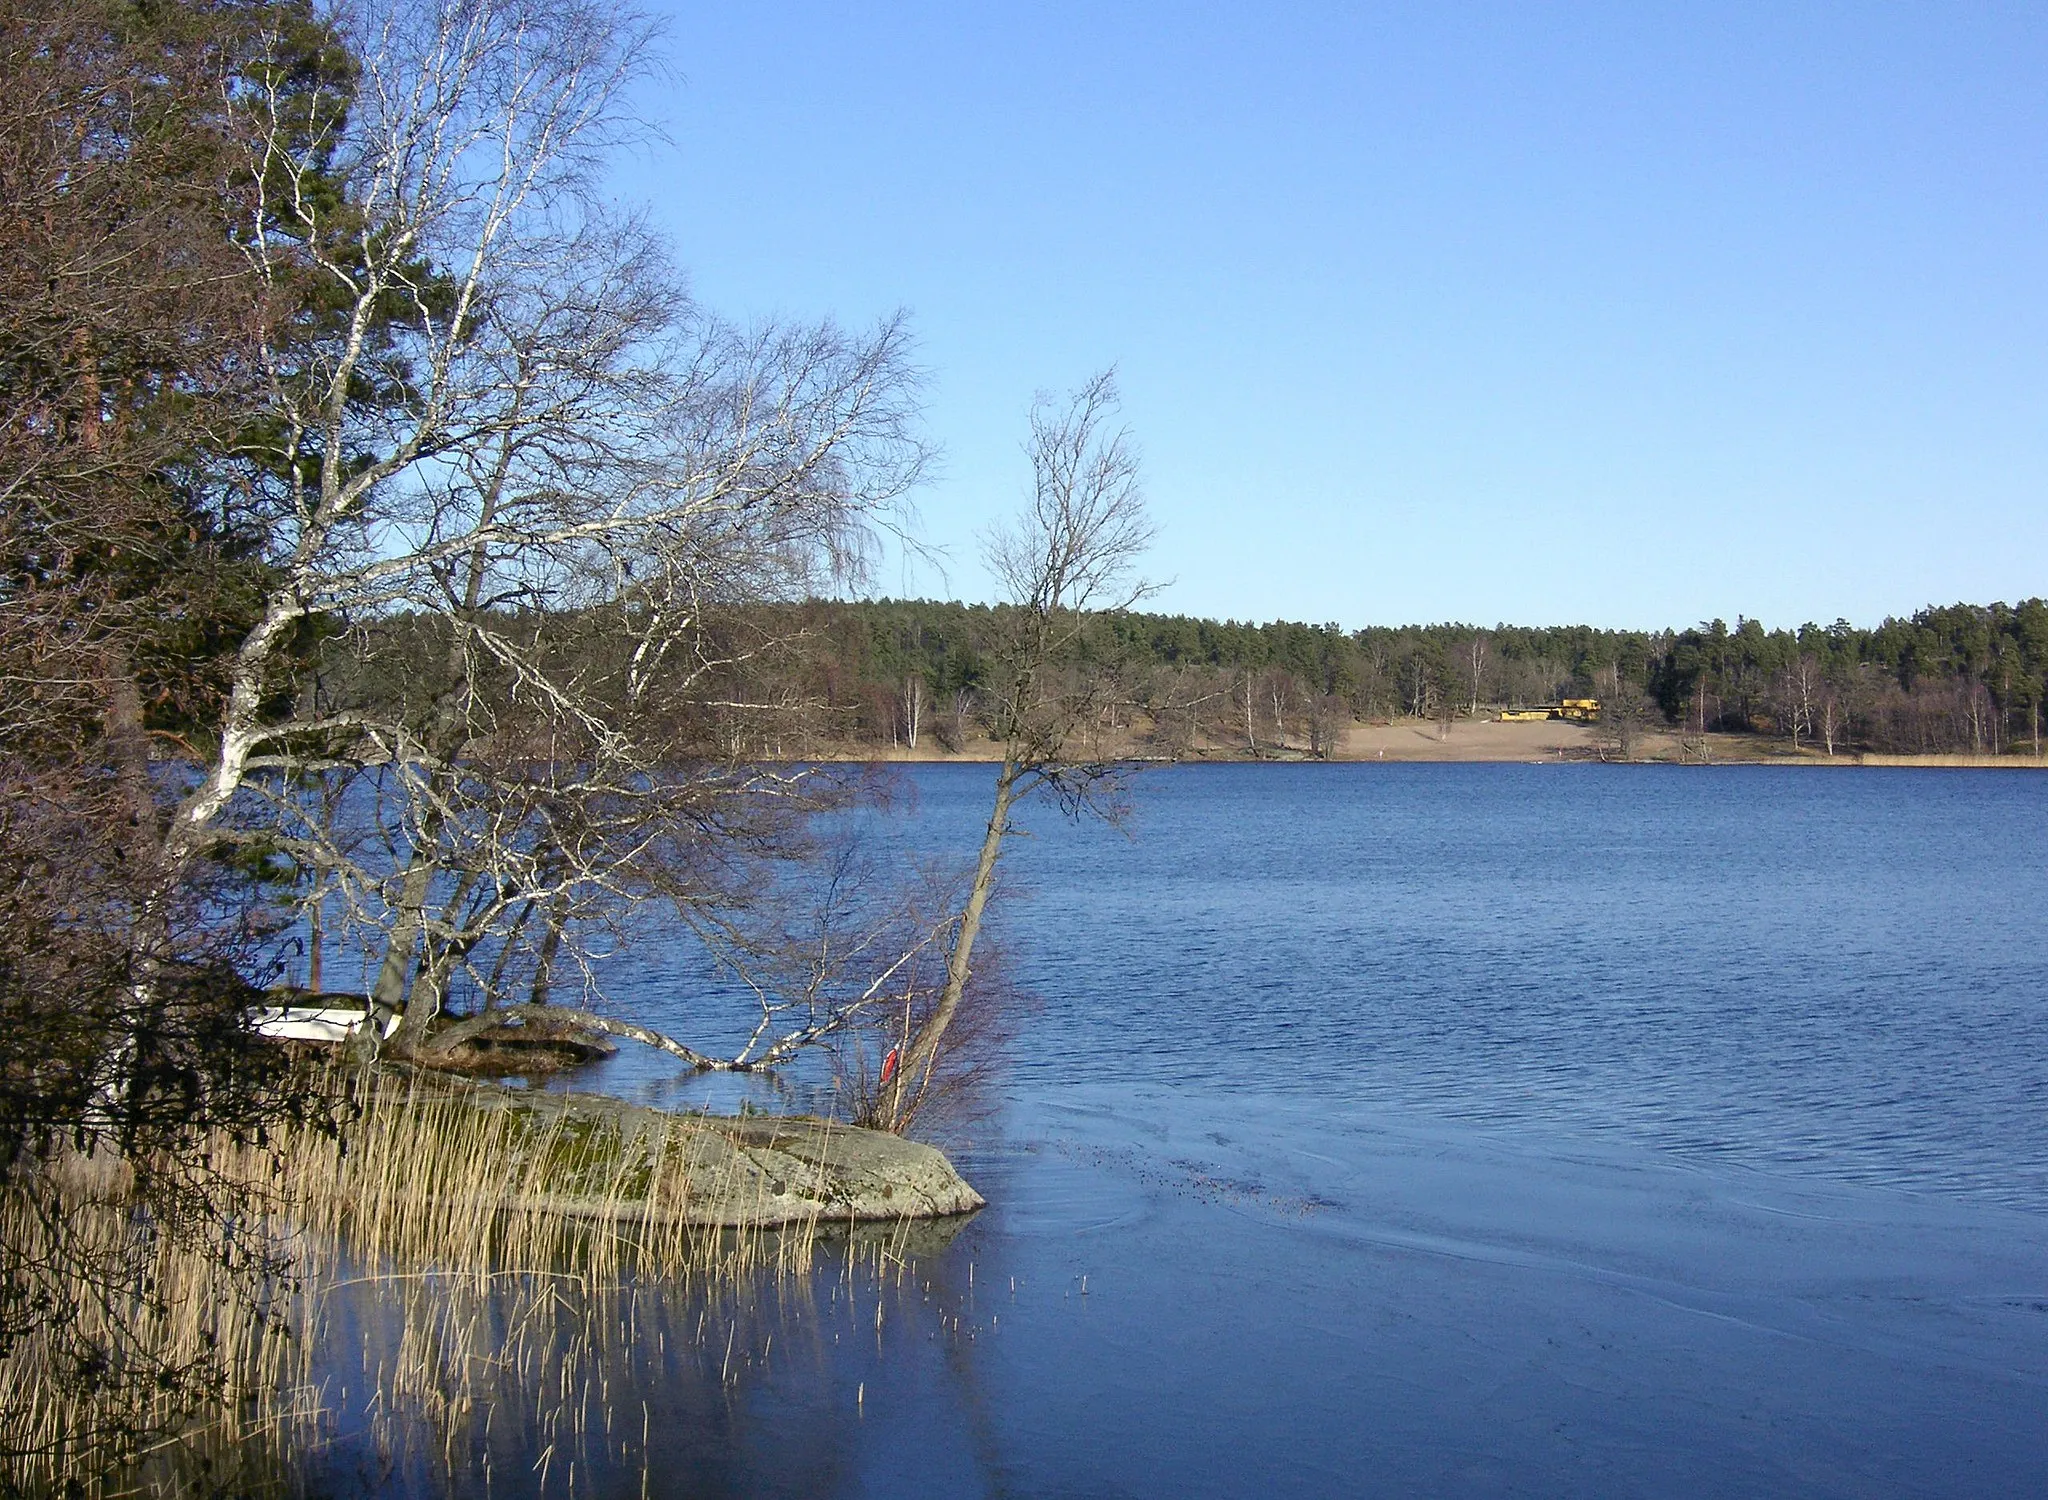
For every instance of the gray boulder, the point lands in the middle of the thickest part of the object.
(749, 1170)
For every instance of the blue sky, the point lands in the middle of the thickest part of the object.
(1631, 315)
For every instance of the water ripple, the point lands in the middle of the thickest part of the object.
(1834, 973)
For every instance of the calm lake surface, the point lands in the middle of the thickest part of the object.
(1457, 1130)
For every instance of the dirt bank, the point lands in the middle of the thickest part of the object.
(1477, 740)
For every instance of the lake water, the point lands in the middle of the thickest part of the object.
(1454, 1130)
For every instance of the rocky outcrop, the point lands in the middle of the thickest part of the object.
(751, 1170)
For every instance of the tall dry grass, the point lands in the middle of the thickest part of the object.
(157, 1353)
(467, 1178)
(444, 1252)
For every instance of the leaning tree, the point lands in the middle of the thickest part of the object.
(519, 485)
(1070, 556)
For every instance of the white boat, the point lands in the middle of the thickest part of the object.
(318, 1023)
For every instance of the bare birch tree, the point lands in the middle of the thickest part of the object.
(1327, 716)
(1476, 655)
(1071, 555)
(915, 698)
(511, 425)
(1796, 699)
(1623, 708)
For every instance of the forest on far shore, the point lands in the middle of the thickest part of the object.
(1958, 678)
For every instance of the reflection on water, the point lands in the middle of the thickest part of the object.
(517, 1383)
(1447, 1130)
(1175, 1298)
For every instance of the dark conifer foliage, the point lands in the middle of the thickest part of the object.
(1959, 678)
(127, 320)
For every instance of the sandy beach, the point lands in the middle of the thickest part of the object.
(1472, 740)
(1475, 741)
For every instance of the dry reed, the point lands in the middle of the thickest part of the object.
(449, 1253)
(159, 1324)
(464, 1179)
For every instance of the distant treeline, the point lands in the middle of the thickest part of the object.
(1957, 678)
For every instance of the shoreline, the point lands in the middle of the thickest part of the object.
(1474, 742)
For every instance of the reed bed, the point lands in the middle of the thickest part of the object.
(163, 1359)
(566, 1388)
(440, 1257)
(463, 1179)
(494, 1274)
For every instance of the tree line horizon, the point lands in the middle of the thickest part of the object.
(1946, 678)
